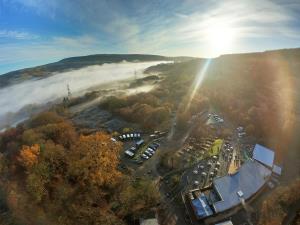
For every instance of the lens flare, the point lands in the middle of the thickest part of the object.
(198, 81)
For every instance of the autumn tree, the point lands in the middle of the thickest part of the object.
(94, 161)
(29, 156)
(62, 133)
(45, 118)
(136, 196)
(275, 207)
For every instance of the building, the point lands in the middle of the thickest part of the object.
(233, 190)
(264, 155)
(240, 186)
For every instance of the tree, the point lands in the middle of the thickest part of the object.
(136, 196)
(29, 156)
(94, 159)
(60, 133)
(45, 118)
(275, 207)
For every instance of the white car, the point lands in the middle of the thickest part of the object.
(150, 150)
(145, 156)
(129, 153)
(148, 153)
(195, 172)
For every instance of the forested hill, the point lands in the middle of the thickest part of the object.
(77, 63)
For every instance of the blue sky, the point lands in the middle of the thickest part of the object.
(34, 32)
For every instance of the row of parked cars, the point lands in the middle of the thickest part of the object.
(125, 137)
(150, 151)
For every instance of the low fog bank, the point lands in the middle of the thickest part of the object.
(39, 92)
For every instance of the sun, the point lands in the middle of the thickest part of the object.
(220, 38)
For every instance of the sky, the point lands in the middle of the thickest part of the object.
(34, 32)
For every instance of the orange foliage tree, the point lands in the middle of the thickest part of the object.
(94, 160)
(29, 155)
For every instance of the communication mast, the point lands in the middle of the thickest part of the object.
(69, 92)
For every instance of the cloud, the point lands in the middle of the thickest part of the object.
(45, 51)
(15, 97)
(168, 27)
(20, 35)
(81, 41)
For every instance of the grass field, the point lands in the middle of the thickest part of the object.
(216, 147)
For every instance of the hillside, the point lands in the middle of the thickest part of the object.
(47, 153)
(66, 64)
(259, 91)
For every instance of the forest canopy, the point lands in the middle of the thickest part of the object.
(68, 178)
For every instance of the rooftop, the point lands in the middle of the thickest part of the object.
(263, 155)
(201, 207)
(242, 185)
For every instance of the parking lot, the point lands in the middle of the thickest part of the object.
(138, 147)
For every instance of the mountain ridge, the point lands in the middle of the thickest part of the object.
(77, 62)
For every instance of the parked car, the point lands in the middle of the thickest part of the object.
(151, 147)
(150, 150)
(129, 153)
(148, 153)
(144, 156)
(156, 144)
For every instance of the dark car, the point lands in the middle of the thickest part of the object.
(156, 144)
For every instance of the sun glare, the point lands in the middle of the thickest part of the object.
(220, 38)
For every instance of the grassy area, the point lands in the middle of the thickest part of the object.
(216, 147)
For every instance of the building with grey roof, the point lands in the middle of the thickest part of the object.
(263, 155)
(230, 191)
(247, 181)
